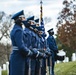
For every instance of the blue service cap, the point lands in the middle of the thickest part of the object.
(30, 18)
(37, 20)
(15, 16)
(50, 30)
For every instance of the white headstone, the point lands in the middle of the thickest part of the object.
(67, 59)
(58, 61)
(0, 71)
(73, 57)
(7, 67)
(4, 66)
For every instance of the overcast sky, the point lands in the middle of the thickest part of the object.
(51, 8)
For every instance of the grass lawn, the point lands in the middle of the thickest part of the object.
(4, 72)
(66, 68)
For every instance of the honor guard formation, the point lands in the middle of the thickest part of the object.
(32, 53)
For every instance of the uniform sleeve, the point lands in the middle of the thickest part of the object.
(19, 41)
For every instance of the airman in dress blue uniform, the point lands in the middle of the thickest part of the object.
(46, 70)
(27, 41)
(19, 49)
(34, 42)
(43, 45)
(53, 47)
(27, 33)
(42, 65)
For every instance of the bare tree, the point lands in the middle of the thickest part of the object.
(5, 28)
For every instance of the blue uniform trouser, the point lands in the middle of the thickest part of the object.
(40, 67)
(33, 66)
(37, 67)
(53, 63)
(43, 69)
(17, 63)
(26, 66)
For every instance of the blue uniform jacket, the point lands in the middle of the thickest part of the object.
(34, 40)
(52, 43)
(17, 39)
(27, 37)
